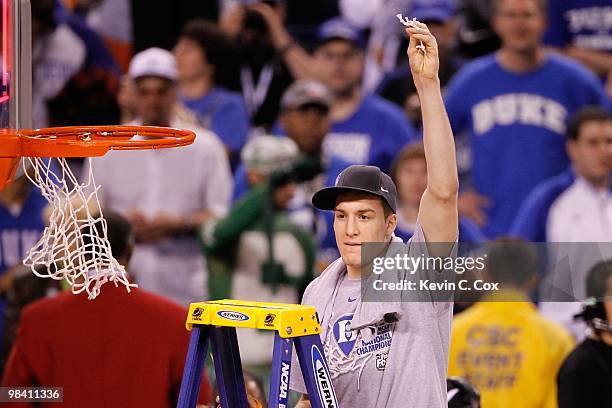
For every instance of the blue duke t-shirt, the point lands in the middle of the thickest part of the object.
(373, 135)
(224, 113)
(583, 23)
(517, 126)
(19, 231)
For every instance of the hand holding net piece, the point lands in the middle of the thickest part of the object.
(410, 23)
(74, 246)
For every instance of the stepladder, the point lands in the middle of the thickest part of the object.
(215, 323)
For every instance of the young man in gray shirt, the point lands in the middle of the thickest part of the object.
(389, 354)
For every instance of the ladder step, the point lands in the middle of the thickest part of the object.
(287, 319)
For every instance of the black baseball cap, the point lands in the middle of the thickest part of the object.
(359, 178)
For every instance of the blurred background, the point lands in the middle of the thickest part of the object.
(283, 95)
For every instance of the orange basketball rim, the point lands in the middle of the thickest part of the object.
(82, 141)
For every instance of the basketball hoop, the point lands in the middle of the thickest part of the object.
(74, 246)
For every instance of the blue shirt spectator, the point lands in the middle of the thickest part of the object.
(583, 30)
(397, 85)
(583, 23)
(223, 112)
(75, 79)
(409, 172)
(514, 106)
(531, 221)
(203, 54)
(575, 206)
(517, 124)
(21, 226)
(373, 134)
(365, 128)
(98, 55)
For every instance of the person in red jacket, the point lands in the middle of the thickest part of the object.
(120, 350)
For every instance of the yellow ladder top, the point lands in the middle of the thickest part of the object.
(288, 319)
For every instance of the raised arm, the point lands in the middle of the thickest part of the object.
(299, 62)
(438, 210)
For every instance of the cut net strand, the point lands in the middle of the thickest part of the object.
(74, 246)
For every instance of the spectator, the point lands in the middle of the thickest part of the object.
(409, 172)
(590, 150)
(166, 194)
(367, 16)
(581, 29)
(515, 114)
(57, 55)
(439, 17)
(75, 79)
(570, 207)
(584, 379)
(104, 352)
(505, 348)
(583, 211)
(365, 128)
(112, 20)
(256, 252)
(21, 226)
(269, 58)
(25, 287)
(305, 119)
(202, 53)
(590, 124)
(386, 42)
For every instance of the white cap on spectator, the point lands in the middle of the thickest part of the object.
(153, 62)
(264, 154)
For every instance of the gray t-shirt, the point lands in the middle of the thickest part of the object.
(404, 364)
(352, 360)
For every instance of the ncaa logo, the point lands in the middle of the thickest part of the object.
(230, 315)
(345, 337)
(323, 379)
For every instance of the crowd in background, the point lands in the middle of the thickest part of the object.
(285, 94)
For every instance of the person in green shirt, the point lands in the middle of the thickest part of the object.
(256, 252)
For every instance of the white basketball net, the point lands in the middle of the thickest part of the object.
(74, 246)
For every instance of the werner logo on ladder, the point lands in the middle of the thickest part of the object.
(217, 321)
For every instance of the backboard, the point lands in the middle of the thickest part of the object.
(16, 81)
(16, 75)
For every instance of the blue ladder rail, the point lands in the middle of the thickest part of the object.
(215, 322)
